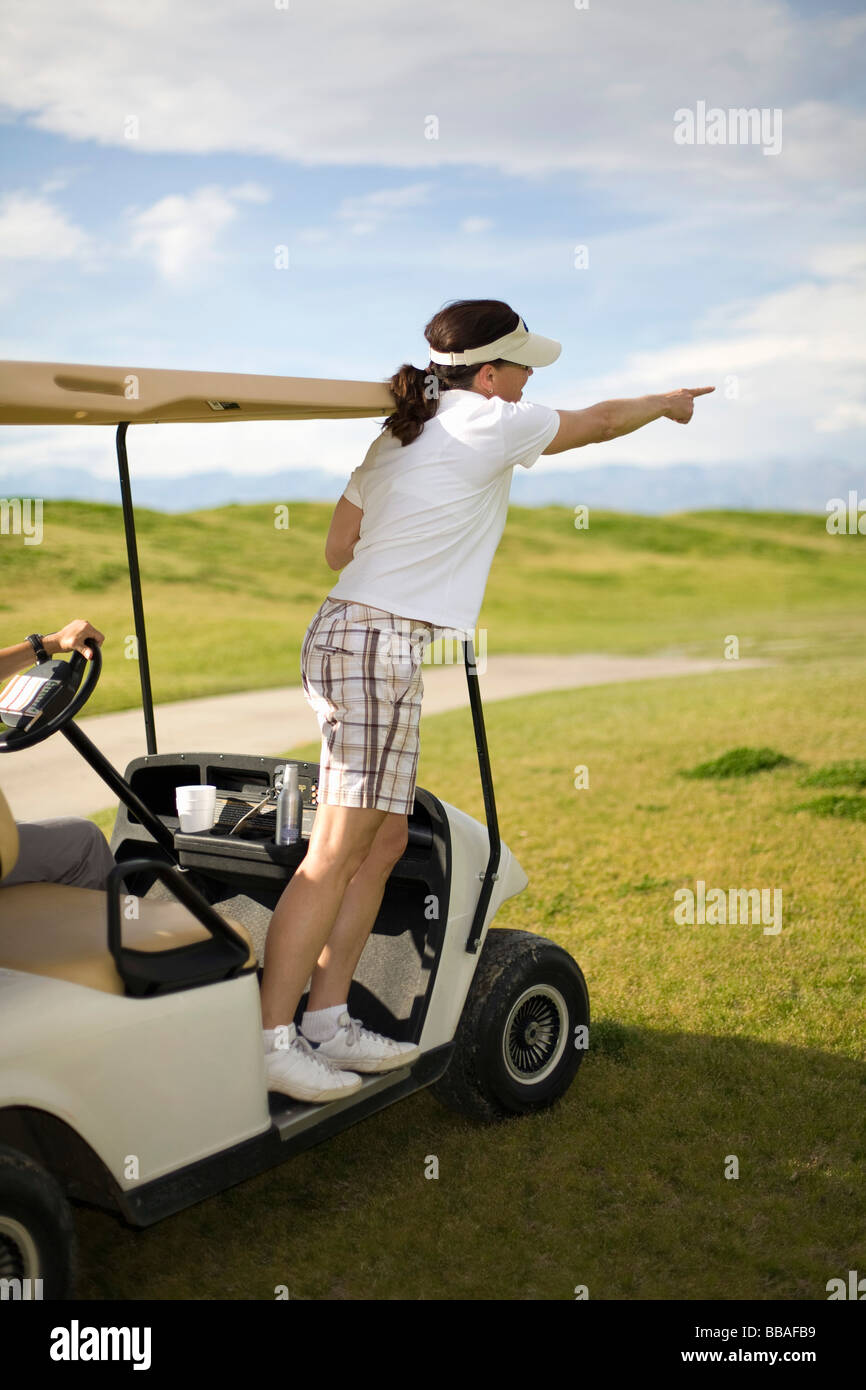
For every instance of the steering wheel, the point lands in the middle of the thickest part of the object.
(11, 741)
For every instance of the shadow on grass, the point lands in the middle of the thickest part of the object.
(622, 1186)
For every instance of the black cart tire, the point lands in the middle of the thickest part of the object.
(522, 1034)
(37, 1233)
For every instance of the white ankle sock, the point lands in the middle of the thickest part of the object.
(277, 1039)
(321, 1024)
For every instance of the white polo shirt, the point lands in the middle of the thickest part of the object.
(434, 511)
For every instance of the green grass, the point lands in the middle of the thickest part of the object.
(228, 596)
(851, 773)
(707, 1041)
(105, 820)
(739, 762)
(842, 807)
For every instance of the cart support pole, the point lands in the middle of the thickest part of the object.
(490, 873)
(135, 585)
(112, 778)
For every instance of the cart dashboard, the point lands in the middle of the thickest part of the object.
(244, 829)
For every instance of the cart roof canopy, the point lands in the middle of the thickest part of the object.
(63, 393)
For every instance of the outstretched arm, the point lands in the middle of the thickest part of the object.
(610, 419)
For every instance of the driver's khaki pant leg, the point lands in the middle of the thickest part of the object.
(68, 850)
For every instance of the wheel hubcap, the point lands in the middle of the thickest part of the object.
(535, 1034)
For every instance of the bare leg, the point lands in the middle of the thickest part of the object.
(358, 911)
(305, 914)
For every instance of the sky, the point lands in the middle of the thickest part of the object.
(159, 163)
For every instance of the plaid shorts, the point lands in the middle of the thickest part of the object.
(361, 672)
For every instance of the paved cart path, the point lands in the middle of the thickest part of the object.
(53, 780)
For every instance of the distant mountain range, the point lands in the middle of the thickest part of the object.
(804, 486)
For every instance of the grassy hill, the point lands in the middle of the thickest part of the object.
(707, 1041)
(228, 596)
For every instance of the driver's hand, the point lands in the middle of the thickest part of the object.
(74, 637)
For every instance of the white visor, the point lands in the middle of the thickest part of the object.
(520, 346)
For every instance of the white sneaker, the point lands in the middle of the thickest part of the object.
(298, 1070)
(356, 1047)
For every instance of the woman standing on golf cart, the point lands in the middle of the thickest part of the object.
(414, 534)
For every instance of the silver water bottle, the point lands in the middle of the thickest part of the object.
(289, 807)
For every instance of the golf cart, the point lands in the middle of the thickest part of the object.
(131, 1058)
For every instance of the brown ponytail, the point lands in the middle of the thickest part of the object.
(463, 324)
(417, 396)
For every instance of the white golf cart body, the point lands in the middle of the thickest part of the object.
(147, 1103)
(154, 1085)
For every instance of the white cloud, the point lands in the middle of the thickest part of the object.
(367, 212)
(530, 90)
(181, 231)
(313, 235)
(542, 90)
(266, 446)
(250, 193)
(843, 416)
(34, 228)
(788, 369)
(843, 259)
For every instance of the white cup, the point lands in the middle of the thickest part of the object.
(196, 807)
